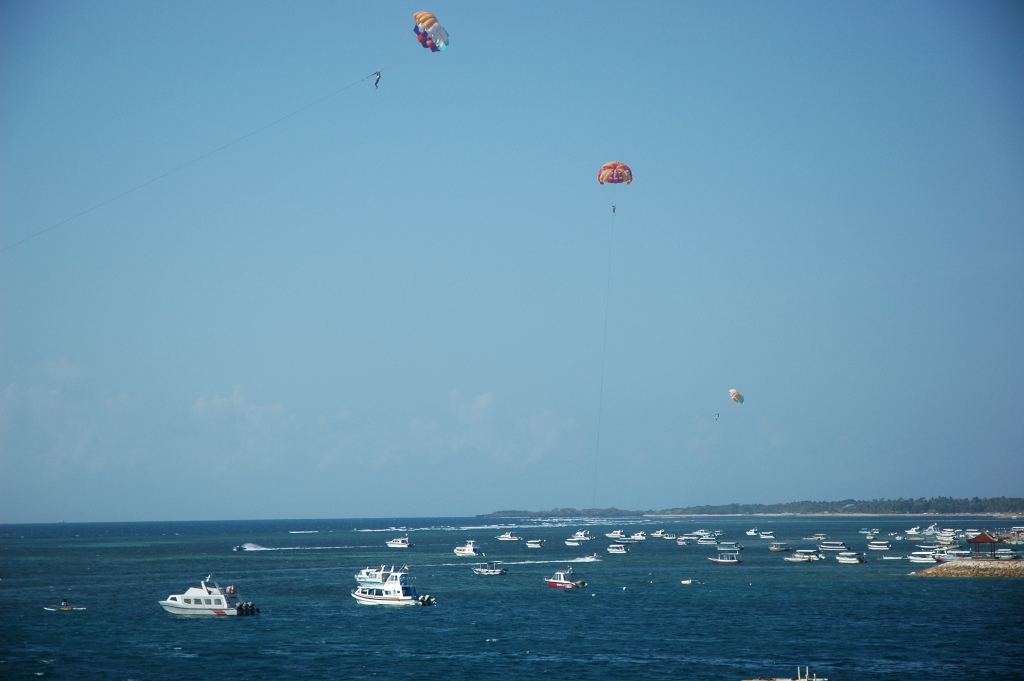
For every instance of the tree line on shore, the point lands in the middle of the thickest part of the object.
(923, 505)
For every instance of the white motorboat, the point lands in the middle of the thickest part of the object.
(682, 541)
(508, 536)
(779, 547)
(396, 590)
(668, 535)
(658, 533)
(752, 532)
(565, 579)
(399, 542)
(708, 541)
(803, 556)
(572, 542)
(638, 536)
(922, 557)
(916, 529)
(615, 534)
(208, 599)
(491, 568)
(768, 534)
(820, 536)
(618, 548)
(581, 535)
(833, 546)
(879, 545)
(726, 558)
(850, 557)
(729, 546)
(534, 543)
(468, 549)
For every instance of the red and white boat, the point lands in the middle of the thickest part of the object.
(564, 579)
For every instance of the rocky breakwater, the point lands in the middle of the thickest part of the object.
(975, 568)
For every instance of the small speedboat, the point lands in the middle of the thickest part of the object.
(618, 548)
(752, 532)
(534, 543)
(565, 579)
(396, 590)
(768, 534)
(491, 568)
(208, 599)
(508, 536)
(615, 534)
(399, 542)
(850, 557)
(468, 549)
(922, 557)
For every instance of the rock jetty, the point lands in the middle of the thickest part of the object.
(975, 568)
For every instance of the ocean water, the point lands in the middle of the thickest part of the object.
(635, 620)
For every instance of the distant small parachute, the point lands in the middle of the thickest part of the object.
(735, 395)
(429, 32)
(615, 172)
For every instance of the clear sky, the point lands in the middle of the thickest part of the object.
(416, 301)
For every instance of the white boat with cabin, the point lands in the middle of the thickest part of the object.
(616, 534)
(850, 557)
(922, 557)
(581, 535)
(208, 599)
(396, 590)
(399, 542)
(565, 579)
(879, 545)
(468, 549)
(779, 547)
(752, 532)
(508, 536)
(375, 575)
(833, 546)
(534, 543)
(618, 548)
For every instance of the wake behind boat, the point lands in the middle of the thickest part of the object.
(208, 600)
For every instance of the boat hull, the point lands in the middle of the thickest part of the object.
(181, 609)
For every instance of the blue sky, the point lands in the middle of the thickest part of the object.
(415, 300)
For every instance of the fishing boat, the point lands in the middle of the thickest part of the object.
(63, 607)
(534, 543)
(803, 556)
(565, 579)
(779, 547)
(208, 599)
(468, 549)
(726, 558)
(491, 568)
(508, 536)
(833, 546)
(399, 542)
(615, 534)
(804, 676)
(850, 557)
(618, 548)
(396, 590)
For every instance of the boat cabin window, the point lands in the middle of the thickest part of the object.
(173, 598)
(219, 602)
(208, 602)
(187, 600)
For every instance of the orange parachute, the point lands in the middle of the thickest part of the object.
(615, 172)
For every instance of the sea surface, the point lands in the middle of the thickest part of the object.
(634, 620)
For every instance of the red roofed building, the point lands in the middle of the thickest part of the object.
(983, 545)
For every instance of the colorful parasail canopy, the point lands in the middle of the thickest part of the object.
(735, 395)
(429, 32)
(615, 172)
